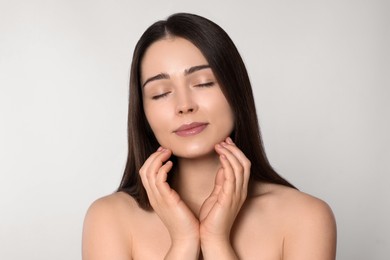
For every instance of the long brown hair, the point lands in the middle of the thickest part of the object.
(229, 70)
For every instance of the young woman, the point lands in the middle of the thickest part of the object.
(197, 183)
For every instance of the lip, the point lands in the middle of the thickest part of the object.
(190, 129)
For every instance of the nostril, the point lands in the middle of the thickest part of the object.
(185, 110)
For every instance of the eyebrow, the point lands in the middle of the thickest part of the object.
(186, 73)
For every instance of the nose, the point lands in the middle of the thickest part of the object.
(185, 103)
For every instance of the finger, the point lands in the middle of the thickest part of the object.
(151, 157)
(149, 170)
(219, 180)
(162, 186)
(154, 162)
(237, 152)
(230, 180)
(242, 158)
(154, 168)
(238, 169)
(147, 163)
(157, 162)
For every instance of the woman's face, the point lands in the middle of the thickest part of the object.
(183, 102)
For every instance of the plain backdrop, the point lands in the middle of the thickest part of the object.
(320, 74)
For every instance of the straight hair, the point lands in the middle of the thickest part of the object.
(231, 74)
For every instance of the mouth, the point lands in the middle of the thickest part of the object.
(190, 129)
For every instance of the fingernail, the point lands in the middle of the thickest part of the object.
(229, 140)
(159, 149)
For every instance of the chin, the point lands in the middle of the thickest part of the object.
(193, 152)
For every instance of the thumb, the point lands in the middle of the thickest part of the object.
(219, 180)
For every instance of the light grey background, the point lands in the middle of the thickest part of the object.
(320, 73)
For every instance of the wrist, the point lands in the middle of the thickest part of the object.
(218, 248)
(184, 249)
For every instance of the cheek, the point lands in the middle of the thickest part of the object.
(157, 119)
(218, 106)
(154, 122)
(229, 120)
(151, 116)
(226, 115)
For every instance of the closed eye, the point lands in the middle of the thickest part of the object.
(160, 96)
(207, 84)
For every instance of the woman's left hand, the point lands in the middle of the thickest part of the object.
(221, 208)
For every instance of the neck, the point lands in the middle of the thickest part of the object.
(194, 179)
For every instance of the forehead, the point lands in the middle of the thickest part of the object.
(172, 56)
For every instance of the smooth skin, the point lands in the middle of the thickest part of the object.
(211, 210)
(218, 212)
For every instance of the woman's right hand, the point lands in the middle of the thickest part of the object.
(182, 225)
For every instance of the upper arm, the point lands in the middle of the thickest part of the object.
(104, 234)
(312, 233)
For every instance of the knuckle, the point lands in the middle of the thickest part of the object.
(149, 176)
(159, 185)
(239, 168)
(247, 163)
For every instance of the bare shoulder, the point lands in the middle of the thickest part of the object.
(307, 222)
(295, 203)
(118, 201)
(106, 231)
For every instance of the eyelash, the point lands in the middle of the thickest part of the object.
(160, 96)
(206, 85)
(203, 85)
